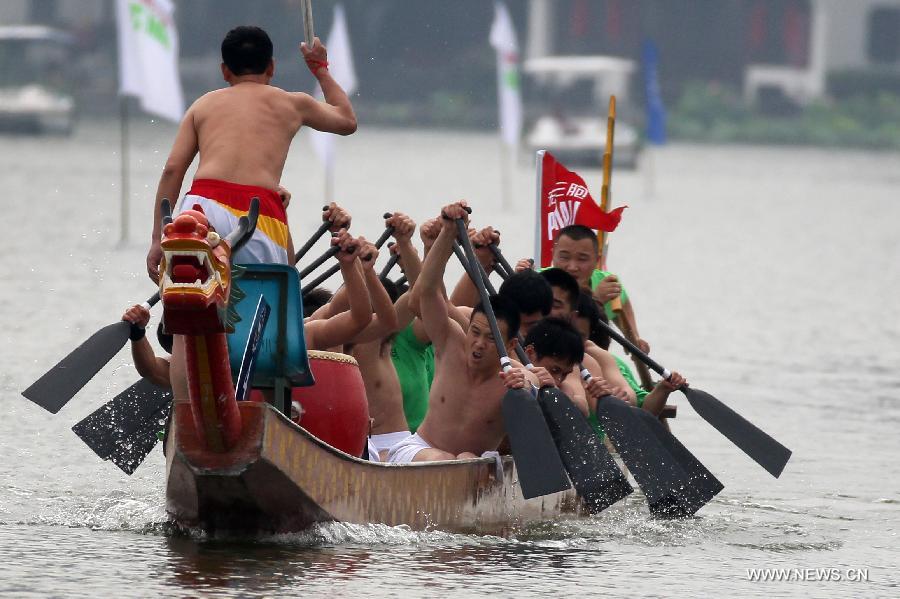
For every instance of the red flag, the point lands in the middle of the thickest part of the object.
(565, 200)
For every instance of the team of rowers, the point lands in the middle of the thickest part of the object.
(428, 359)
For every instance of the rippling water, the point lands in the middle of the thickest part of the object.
(768, 276)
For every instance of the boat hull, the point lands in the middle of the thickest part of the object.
(278, 478)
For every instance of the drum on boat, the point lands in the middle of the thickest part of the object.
(335, 409)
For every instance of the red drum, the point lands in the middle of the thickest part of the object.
(334, 409)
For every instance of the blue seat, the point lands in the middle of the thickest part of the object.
(282, 362)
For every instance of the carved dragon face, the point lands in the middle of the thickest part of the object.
(195, 275)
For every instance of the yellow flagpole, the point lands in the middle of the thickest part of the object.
(607, 177)
(602, 239)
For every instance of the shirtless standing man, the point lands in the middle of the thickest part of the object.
(464, 410)
(242, 134)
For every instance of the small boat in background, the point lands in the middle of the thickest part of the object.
(574, 129)
(35, 88)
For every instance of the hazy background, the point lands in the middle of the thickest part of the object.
(836, 64)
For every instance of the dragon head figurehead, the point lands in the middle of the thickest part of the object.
(195, 275)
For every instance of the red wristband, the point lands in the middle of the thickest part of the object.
(314, 65)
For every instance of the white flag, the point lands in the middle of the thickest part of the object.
(148, 56)
(340, 65)
(503, 39)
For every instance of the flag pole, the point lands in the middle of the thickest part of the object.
(309, 35)
(602, 238)
(538, 183)
(123, 170)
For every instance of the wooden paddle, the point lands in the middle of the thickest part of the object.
(538, 463)
(761, 447)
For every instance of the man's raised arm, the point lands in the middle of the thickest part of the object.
(342, 328)
(428, 290)
(336, 114)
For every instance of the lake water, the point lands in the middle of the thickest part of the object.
(768, 276)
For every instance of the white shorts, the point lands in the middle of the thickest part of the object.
(405, 450)
(224, 203)
(378, 443)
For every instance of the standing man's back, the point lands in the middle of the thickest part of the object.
(242, 134)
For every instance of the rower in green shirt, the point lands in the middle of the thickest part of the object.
(577, 251)
(414, 362)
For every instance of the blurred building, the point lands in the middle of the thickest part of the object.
(422, 60)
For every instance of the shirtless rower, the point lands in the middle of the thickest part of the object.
(146, 362)
(333, 332)
(372, 350)
(242, 134)
(464, 416)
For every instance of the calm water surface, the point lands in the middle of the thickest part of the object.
(768, 276)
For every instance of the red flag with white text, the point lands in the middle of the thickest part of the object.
(565, 200)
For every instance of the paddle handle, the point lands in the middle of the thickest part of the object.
(625, 325)
(319, 280)
(165, 211)
(458, 251)
(333, 250)
(154, 299)
(388, 231)
(585, 373)
(312, 240)
(329, 253)
(635, 350)
(391, 263)
(501, 259)
(463, 235)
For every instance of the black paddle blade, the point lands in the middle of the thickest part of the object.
(60, 384)
(124, 430)
(594, 473)
(704, 484)
(540, 470)
(765, 451)
(668, 488)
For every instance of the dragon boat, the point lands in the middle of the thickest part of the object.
(287, 457)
